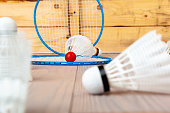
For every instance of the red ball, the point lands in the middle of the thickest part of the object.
(70, 57)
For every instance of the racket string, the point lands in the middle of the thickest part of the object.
(53, 21)
(62, 59)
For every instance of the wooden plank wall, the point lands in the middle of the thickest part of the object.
(125, 21)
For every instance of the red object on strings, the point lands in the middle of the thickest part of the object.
(70, 57)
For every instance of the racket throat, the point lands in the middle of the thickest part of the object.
(69, 21)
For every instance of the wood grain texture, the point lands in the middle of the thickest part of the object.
(21, 12)
(125, 21)
(53, 13)
(139, 17)
(117, 12)
(38, 46)
(58, 89)
(74, 17)
(51, 89)
(117, 102)
(114, 39)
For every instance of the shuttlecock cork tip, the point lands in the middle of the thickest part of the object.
(100, 52)
(7, 26)
(94, 82)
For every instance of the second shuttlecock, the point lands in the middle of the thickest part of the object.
(144, 66)
(15, 57)
(81, 45)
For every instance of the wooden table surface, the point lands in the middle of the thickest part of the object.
(58, 89)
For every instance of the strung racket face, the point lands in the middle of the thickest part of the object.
(58, 20)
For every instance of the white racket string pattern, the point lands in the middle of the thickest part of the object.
(58, 20)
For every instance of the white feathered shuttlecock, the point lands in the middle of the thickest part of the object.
(168, 48)
(81, 45)
(144, 66)
(15, 57)
(7, 26)
(14, 48)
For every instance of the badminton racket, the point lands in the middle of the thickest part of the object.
(58, 20)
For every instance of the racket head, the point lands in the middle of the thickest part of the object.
(61, 46)
(36, 60)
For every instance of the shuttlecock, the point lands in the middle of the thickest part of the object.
(7, 26)
(81, 45)
(168, 48)
(13, 44)
(144, 66)
(13, 95)
(15, 57)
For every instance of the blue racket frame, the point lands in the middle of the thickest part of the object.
(35, 23)
(106, 61)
